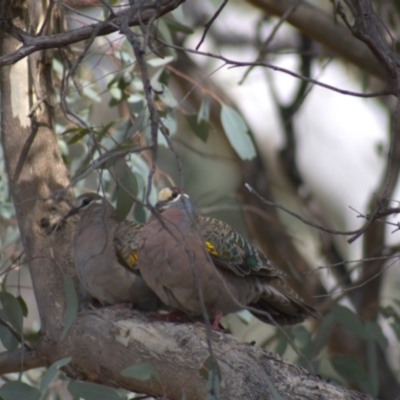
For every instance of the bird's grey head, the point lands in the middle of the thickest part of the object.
(174, 197)
(86, 201)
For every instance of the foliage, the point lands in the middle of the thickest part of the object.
(104, 122)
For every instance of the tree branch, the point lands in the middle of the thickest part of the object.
(103, 342)
(32, 43)
(322, 28)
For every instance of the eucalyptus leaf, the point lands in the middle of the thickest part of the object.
(8, 340)
(349, 319)
(274, 392)
(204, 111)
(127, 188)
(51, 372)
(92, 391)
(16, 390)
(159, 62)
(142, 371)
(237, 133)
(374, 331)
(23, 305)
(348, 367)
(372, 367)
(201, 130)
(12, 308)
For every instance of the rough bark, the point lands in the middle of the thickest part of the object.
(323, 28)
(104, 342)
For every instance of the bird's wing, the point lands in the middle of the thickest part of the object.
(126, 239)
(228, 249)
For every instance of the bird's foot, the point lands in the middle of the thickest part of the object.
(217, 318)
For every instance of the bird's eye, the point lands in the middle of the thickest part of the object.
(85, 202)
(174, 194)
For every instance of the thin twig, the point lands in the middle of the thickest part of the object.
(207, 26)
(238, 64)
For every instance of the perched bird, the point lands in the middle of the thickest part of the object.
(105, 254)
(194, 263)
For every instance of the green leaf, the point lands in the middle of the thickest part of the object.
(349, 320)
(9, 341)
(159, 62)
(127, 188)
(139, 213)
(137, 125)
(282, 345)
(177, 26)
(372, 367)
(18, 390)
(272, 388)
(142, 371)
(237, 132)
(71, 304)
(92, 391)
(209, 365)
(201, 129)
(81, 134)
(302, 335)
(348, 367)
(374, 331)
(12, 308)
(23, 305)
(51, 372)
(204, 111)
(167, 97)
(213, 374)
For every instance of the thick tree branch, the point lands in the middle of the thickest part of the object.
(32, 44)
(19, 360)
(368, 28)
(104, 342)
(322, 28)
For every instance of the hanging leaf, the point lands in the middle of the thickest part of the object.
(272, 388)
(23, 305)
(9, 341)
(127, 188)
(209, 365)
(51, 372)
(92, 391)
(71, 300)
(142, 371)
(201, 129)
(237, 132)
(281, 345)
(13, 310)
(348, 367)
(204, 111)
(213, 385)
(81, 134)
(302, 335)
(18, 390)
(349, 319)
(159, 62)
(372, 367)
(374, 331)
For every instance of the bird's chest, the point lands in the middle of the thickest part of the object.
(174, 263)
